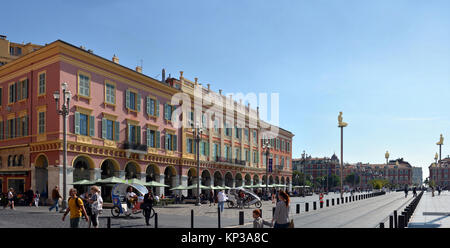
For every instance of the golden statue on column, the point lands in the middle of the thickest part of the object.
(341, 123)
(386, 155)
(441, 140)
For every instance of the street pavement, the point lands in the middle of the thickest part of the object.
(432, 212)
(362, 213)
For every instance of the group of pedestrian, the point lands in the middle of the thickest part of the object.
(88, 207)
(281, 215)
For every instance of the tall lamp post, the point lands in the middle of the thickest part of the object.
(64, 111)
(198, 130)
(341, 125)
(267, 147)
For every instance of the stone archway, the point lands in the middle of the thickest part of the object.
(248, 179)
(229, 180)
(81, 171)
(132, 170)
(41, 173)
(270, 179)
(238, 182)
(206, 178)
(191, 179)
(255, 179)
(218, 181)
(170, 175)
(277, 181)
(109, 168)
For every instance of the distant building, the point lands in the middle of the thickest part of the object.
(439, 172)
(316, 167)
(10, 51)
(417, 177)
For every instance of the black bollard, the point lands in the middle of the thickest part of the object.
(391, 221)
(401, 221)
(306, 207)
(192, 218)
(156, 220)
(328, 202)
(314, 206)
(395, 219)
(342, 200)
(346, 199)
(218, 217)
(241, 218)
(298, 209)
(337, 201)
(332, 202)
(321, 204)
(108, 223)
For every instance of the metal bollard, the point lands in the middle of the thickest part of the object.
(332, 202)
(306, 207)
(391, 221)
(298, 209)
(342, 200)
(401, 221)
(218, 217)
(337, 201)
(328, 202)
(156, 220)
(395, 219)
(381, 224)
(192, 218)
(346, 199)
(321, 204)
(108, 223)
(314, 206)
(241, 218)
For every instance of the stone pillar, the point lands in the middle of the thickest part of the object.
(175, 181)
(160, 190)
(95, 174)
(184, 181)
(211, 180)
(33, 178)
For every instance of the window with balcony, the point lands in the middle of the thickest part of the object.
(168, 110)
(153, 138)
(133, 100)
(110, 129)
(152, 107)
(190, 147)
(170, 142)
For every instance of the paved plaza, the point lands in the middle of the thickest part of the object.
(432, 212)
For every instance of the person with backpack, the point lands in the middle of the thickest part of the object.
(76, 209)
(96, 203)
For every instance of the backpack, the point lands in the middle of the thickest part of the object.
(77, 203)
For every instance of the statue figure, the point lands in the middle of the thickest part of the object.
(341, 124)
(386, 155)
(441, 140)
(436, 156)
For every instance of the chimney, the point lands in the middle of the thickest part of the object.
(90, 51)
(138, 68)
(220, 92)
(163, 75)
(196, 79)
(115, 59)
(208, 87)
(181, 75)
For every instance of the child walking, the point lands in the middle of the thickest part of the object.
(258, 221)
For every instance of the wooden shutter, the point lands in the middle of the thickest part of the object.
(174, 141)
(77, 122)
(148, 106)
(157, 108)
(138, 134)
(148, 137)
(138, 100)
(127, 99)
(117, 131)
(25, 129)
(166, 139)
(158, 139)
(91, 126)
(104, 133)
(1, 130)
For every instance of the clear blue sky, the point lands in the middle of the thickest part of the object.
(384, 63)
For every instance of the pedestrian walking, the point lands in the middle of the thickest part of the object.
(4, 200)
(211, 198)
(147, 206)
(55, 197)
(258, 221)
(11, 198)
(29, 197)
(406, 191)
(95, 202)
(439, 190)
(432, 191)
(281, 215)
(414, 192)
(76, 209)
(222, 198)
(37, 196)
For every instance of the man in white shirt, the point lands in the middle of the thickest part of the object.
(221, 198)
(131, 198)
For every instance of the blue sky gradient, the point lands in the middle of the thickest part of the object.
(384, 63)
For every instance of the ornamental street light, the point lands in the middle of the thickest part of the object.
(267, 147)
(341, 125)
(64, 111)
(198, 130)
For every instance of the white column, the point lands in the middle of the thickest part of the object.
(212, 181)
(175, 181)
(160, 190)
(184, 181)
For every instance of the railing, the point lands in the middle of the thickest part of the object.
(231, 161)
(134, 146)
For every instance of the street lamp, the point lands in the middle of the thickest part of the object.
(341, 125)
(198, 130)
(267, 147)
(64, 111)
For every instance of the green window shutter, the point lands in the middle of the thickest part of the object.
(25, 90)
(91, 126)
(117, 131)
(129, 133)
(104, 128)
(158, 139)
(166, 139)
(1, 130)
(138, 135)
(127, 97)
(26, 126)
(165, 112)
(138, 100)
(207, 149)
(157, 108)
(175, 144)
(77, 122)
(148, 106)
(148, 137)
